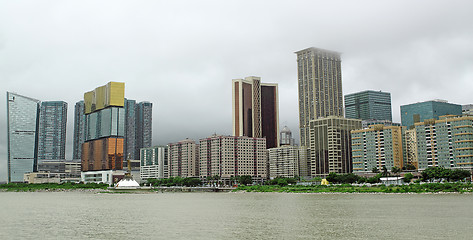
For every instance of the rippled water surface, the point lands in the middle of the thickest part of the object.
(78, 215)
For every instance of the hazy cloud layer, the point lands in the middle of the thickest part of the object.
(182, 55)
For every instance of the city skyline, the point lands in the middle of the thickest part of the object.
(417, 58)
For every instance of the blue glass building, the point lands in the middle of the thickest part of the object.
(22, 132)
(418, 112)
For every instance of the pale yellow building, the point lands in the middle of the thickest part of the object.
(182, 159)
(230, 156)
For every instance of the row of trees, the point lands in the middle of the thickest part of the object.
(193, 182)
(281, 181)
(174, 181)
(441, 173)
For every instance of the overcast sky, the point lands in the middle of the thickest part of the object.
(182, 55)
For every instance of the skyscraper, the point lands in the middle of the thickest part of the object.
(138, 131)
(143, 126)
(138, 128)
(256, 110)
(320, 87)
(52, 130)
(104, 129)
(22, 135)
(130, 147)
(79, 130)
(368, 105)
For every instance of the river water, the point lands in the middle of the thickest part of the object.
(82, 215)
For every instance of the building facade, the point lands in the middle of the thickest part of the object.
(138, 122)
(368, 105)
(256, 110)
(320, 87)
(284, 162)
(410, 143)
(231, 156)
(154, 162)
(183, 159)
(52, 130)
(79, 130)
(447, 142)
(330, 145)
(418, 112)
(104, 129)
(22, 135)
(377, 147)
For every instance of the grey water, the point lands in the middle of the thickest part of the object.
(82, 215)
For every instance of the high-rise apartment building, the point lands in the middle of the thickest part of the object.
(182, 159)
(22, 135)
(52, 130)
(447, 142)
(138, 122)
(320, 87)
(418, 112)
(130, 147)
(377, 147)
(79, 130)
(368, 105)
(154, 162)
(143, 125)
(232, 156)
(104, 129)
(410, 147)
(330, 145)
(256, 110)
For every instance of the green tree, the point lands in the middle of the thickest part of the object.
(245, 179)
(375, 170)
(459, 174)
(333, 178)
(408, 177)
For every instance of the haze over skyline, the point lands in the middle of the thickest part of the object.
(183, 55)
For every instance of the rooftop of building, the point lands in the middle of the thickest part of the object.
(314, 49)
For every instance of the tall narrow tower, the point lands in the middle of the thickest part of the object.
(256, 110)
(52, 130)
(320, 87)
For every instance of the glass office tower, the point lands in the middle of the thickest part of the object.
(52, 130)
(22, 132)
(368, 105)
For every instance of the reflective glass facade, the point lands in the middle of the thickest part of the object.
(105, 123)
(103, 148)
(418, 112)
(111, 94)
(102, 154)
(52, 130)
(22, 130)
